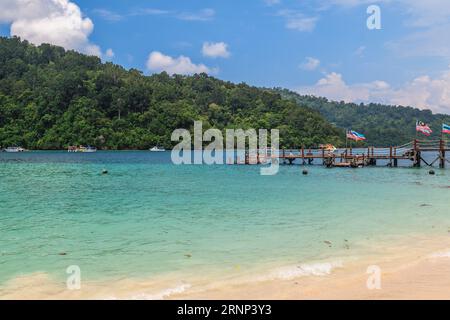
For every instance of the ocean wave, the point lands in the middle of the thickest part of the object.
(304, 270)
(162, 294)
(441, 254)
(155, 296)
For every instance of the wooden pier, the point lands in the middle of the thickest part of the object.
(361, 157)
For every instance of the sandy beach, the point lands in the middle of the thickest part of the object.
(421, 278)
(416, 269)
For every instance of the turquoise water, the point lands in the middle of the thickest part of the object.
(148, 217)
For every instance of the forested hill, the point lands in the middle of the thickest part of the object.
(51, 98)
(383, 125)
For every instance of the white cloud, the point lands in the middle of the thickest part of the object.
(109, 53)
(429, 42)
(158, 62)
(298, 21)
(422, 92)
(420, 13)
(202, 15)
(335, 88)
(426, 13)
(148, 12)
(58, 22)
(310, 64)
(108, 15)
(429, 21)
(206, 14)
(272, 2)
(352, 3)
(215, 50)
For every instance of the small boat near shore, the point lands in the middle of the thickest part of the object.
(157, 149)
(14, 149)
(84, 149)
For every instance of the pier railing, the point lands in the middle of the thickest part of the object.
(357, 157)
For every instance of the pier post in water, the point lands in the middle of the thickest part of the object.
(310, 157)
(417, 155)
(323, 156)
(417, 159)
(395, 157)
(390, 156)
(303, 155)
(441, 154)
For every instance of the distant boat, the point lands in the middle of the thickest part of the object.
(87, 149)
(14, 149)
(156, 149)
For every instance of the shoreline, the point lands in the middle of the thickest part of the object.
(416, 270)
(423, 278)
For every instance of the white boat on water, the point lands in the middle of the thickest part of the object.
(87, 149)
(156, 149)
(14, 149)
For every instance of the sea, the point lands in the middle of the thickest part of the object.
(147, 218)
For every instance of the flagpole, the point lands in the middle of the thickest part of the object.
(346, 139)
(346, 142)
(415, 129)
(415, 140)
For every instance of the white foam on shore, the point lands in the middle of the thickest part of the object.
(162, 294)
(441, 254)
(156, 296)
(304, 270)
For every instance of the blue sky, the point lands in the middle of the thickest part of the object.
(313, 47)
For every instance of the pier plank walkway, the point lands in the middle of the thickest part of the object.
(348, 157)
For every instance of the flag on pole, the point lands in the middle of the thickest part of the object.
(445, 128)
(423, 128)
(353, 135)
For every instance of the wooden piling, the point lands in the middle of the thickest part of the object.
(417, 155)
(391, 154)
(303, 155)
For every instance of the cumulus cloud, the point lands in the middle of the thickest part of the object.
(215, 50)
(58, 22)
(310, 64)
(298, 21)
(158, 62)
(422, 92)
(109, 53)
(334, 87)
